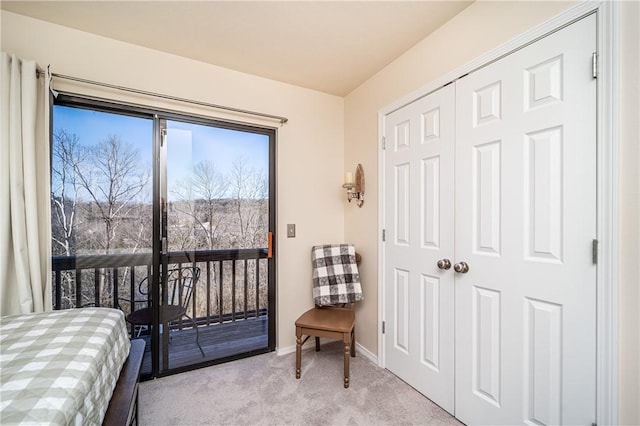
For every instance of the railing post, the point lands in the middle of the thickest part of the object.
(149, 284)
(257, 287)
(96, 286)
(194, 294)
(233, 290)
(208, 292)
(220, 296)
(116, 285)
(132, 294)
(78, 288)
(58, 289)
(246, 286)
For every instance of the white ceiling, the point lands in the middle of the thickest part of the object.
(330, 46)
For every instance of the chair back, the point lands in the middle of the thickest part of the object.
(180, 284)
(336, 279)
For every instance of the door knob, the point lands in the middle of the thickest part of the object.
(461, 267)
(444, 264)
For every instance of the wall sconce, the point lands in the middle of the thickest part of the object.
(355, 189)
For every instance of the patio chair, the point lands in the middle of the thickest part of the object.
(336, 288)
(180, 284)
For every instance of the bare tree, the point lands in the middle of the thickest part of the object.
(65, 189)
(114, 180)
(65, 193)
(249, 189)
(199, 199)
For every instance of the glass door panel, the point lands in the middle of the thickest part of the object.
(216, 218)
(101, 211)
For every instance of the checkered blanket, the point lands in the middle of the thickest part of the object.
(335, 275)
(60, 368)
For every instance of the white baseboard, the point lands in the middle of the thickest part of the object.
(360, 350)
(289, 349)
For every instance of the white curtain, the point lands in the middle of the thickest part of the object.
(25, 224)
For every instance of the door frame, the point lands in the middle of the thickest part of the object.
(607, 184)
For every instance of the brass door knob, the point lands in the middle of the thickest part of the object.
(444, 264)
(461, 267)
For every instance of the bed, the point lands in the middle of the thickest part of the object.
(67, 367)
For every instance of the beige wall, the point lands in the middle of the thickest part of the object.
(309, 148)
(476, 30)
(629, 204)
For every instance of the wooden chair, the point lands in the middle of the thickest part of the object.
(180, 285)
(332, 322)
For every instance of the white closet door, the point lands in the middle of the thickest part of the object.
(419, 215)
(525, 221)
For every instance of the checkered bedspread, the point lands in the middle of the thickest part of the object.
(60, 368)
(335, 275)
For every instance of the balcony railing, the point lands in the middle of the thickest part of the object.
(232, 283)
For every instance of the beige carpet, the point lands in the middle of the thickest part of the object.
(263, 390)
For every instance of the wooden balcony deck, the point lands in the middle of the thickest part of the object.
(217, 340)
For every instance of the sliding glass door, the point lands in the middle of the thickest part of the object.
(168, 218)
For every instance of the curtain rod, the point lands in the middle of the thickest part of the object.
(282, 120)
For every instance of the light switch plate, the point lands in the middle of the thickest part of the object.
(291, 230)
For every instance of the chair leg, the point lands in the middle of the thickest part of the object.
(353, 343)
(317, 344)
(197, 334)
(198, 341)
(347, 349)
(298, 354)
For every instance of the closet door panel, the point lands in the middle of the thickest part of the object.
(525, 221)
(419, 306)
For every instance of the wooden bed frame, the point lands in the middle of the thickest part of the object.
(123, 407)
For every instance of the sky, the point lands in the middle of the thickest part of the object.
(187, 143)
